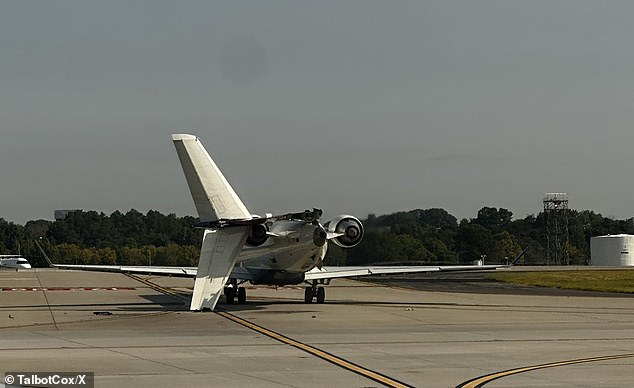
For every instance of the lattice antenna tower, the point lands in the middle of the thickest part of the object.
(556, 214)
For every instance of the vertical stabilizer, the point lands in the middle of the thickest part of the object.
(213, 196)
(214, 199)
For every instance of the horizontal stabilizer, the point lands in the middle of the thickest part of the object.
(218, 255)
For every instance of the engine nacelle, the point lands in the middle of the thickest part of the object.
(257, 235)
(350, 228)
(320, 236)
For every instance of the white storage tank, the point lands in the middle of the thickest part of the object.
(612, 250)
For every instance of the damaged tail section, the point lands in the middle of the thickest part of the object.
(215, 200)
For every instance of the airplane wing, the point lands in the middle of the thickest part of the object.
(218, 254)
(139, 269)
(346, 272)
(244, 274)
(237, 272)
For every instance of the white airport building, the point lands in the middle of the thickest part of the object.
(612, 250)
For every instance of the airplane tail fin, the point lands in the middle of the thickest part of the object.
(215, 200)
(213, 196)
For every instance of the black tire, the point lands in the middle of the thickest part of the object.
(308, 295)
(230, 295)
(321, 295)
(242, 295)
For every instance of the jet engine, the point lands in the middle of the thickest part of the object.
(320, 236)
(257, 235)
(348, 227)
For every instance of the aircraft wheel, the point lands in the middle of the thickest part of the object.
(230, 295)
(308, 295)
(321, 295)
(242, 295)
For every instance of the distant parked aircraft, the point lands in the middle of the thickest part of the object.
(14, 261)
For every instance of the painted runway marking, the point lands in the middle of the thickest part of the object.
(156, 287)
(67, 288)
(338, 361)
(481, 381)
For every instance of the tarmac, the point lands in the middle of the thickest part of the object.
(137, 332)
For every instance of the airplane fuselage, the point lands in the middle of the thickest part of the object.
(290, 250)
(14, 261)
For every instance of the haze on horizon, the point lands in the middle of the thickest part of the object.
(352, 106)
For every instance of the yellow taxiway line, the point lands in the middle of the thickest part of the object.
(372, 375)
(481, 381)
(375, 376)
(156, 287)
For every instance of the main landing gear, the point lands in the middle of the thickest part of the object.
(314, 292)
(233, 291)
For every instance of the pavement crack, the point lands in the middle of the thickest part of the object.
(121, 352)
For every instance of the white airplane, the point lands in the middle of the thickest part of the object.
(14, 261)
(240, 247)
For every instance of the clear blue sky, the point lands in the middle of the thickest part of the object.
(352, 106)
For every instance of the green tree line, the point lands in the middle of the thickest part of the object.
(89, 237)
(433, 236)
(430, 236)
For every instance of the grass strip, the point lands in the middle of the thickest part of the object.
(587, 280)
